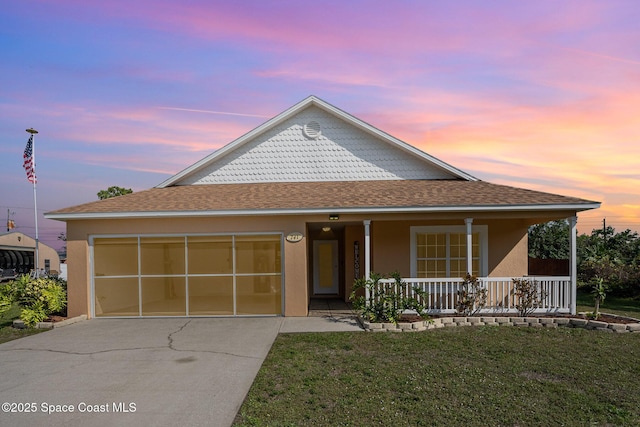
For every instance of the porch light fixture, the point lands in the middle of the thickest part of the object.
(326, 229)
(334, 217)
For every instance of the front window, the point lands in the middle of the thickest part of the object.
(439, 252)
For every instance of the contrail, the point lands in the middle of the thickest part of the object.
(598, 55)
(211, 112)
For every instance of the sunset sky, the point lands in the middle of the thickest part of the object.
(542, 95)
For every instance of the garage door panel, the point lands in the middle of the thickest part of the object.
(116, 257)
(163, 296)
(210, 254)
(162, 255)
(258, 254)
(116, 297)
(212, 296)
(258, 295)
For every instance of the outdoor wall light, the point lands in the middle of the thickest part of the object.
(334, 217)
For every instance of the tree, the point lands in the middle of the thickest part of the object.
(549, 240)
(612, 257)
(113, 191)
(63, 237)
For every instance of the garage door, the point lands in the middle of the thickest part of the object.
(213, 275)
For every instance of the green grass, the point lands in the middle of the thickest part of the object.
(629, 307)
(7, 331)
(467, 376)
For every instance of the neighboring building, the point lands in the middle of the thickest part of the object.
(297, 208)
(17, 251)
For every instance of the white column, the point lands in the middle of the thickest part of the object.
(367, 248)
(469, 223)
(367, 255)
(573, 260)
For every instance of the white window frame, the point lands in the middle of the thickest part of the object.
(482, 230)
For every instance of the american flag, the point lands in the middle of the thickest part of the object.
(28, 165)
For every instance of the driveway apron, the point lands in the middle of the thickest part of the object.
(134, 372)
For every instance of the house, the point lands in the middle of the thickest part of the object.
(17, 252)
(297, 208)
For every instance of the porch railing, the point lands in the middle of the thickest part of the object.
(443, 293)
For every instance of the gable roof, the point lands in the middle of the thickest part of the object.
(314, 141)
(383, 196)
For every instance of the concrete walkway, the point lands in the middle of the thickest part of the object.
(133, 372)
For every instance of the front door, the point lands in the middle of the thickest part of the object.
(325, 267)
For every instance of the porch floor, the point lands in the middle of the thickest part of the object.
(330, 307)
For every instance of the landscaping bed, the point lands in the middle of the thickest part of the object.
(415, 323)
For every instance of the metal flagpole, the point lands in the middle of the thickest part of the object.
(35, 202)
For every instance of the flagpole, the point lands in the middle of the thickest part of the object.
(35, 204)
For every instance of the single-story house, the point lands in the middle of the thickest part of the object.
(17, 253)
(296, 209)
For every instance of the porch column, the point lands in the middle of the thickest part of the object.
(367, 256)
(469, 223)
(573, 261)
(367, 248)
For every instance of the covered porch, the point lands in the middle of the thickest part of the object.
(557, 293)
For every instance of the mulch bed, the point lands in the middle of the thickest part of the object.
(55, 319)
(602, 318)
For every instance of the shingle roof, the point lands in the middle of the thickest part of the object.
(342, 196)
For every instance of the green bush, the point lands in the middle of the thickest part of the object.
(33, 314)
(38, 298)
(386, 303)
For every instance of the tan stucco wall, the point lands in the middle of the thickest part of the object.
(390, 239)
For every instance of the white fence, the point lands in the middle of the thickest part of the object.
(443, 293)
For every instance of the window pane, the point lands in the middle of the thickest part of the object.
(163, 296)
(211, 295)
(258, 254)
(476, 245)
(259, 294)
(162, 255)
(458, 267)
(210, 254)
(422, 268)
(116, 297)
(115, 257)
(476, 267)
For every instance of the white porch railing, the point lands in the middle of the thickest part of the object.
(443, 293)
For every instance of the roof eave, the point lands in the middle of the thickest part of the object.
(578, 207)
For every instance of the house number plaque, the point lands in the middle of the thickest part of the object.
(294, 237)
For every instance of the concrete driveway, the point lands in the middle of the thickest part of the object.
(134, 372)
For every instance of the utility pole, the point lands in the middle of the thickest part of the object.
(604, 231)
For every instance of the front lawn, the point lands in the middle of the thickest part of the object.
(7, 331)
(465, 376)
(628, 307)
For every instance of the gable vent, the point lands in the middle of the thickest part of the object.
(312, 130)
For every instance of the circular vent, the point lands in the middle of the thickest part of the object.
(312, 130)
